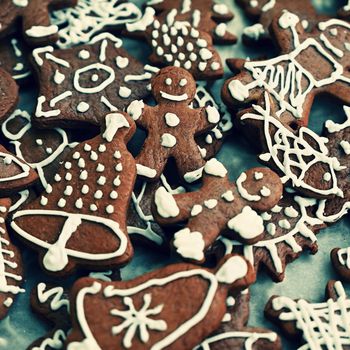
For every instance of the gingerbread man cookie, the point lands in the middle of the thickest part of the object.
(81, 219)
(11, 275)
(78, 86)
(78, 24)
(318, 326)
(220, 206)
(178, 43)
(34, 14)
(310, 63)
(175, 307)
(172, 126)
(211, 16)
(234, 334)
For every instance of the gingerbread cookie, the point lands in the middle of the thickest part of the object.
(52, 304)
(43, 150)
(14, 58)
(82, 215)
(234, 334)
(340, 258)
(11, 275)
(15, 174)
(77, 25)
(301, 157)
(263, 12)
(9, 94)
(220, 206)
(34, 16)
(210, 16)
(141, 224)
(140, 313)
(290, 228)
(80, 85)
(178, 43)
(294, 78)
(318, 326)
(338, 136)
(172, 126)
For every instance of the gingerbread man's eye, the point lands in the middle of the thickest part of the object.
(168, 81)
(183, 82)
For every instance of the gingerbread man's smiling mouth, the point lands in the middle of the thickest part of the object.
(182, 97)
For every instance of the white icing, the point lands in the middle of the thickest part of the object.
(41, 31)
(228, 196)
(189, 245)
(165, 203)
(135, 109)
(171, 119)
(196, 209)
(114, 122)
(248, 224)
(215, 168)
(167, 140)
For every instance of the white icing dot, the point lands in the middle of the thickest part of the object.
(122, 62)
(85, 189)
(168, 140)
(119, 167)
(183, 82)
(100, 168)
(171, 119)
(43, 200)
(284, 224)
(76, 155)
(210, 203)
(228, 196)
(271, 228)
(83, 175)
(124, 92)
(102, 148)
(68, 190)
(68, 165)
(93, 207)
(81, 163)
(87, 147)
(116, 181)
(61, 203)
(196, 209)
(68, 176)
(168, 81)
(48, 188)
(110, 209)
(79, 203)
(98, 194)
(93, 155)
(101, 180)
(258, 175)
(84, 54)
(83, 107)
(94, 78)
(39, 142)
(117, 155)
(57, 178)
(265, 192)
(327, 176)
(113, 195)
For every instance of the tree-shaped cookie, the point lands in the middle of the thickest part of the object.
(310, 63)
(219, 206)
(179, 43)
(318, 326)
(175, 307)
(303, 158)
(81, 219)
(34, 16)
(14, 58)
(234, 334)
(11, 267)
(78, 86)
(211, 16)
(289, 229)
(43, 150)
(172, 126)
(263, 12)
(78, 24)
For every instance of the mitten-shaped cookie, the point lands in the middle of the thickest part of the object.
(81, 219)
(219, 206)
(172, 308)
(172, 126)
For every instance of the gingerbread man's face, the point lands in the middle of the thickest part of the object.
(173, 85)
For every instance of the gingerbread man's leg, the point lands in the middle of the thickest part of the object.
(190, 163)
(151, 161)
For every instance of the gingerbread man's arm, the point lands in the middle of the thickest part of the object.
(207, 119)
(141, 113)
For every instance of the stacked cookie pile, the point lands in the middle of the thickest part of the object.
(119, 152)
